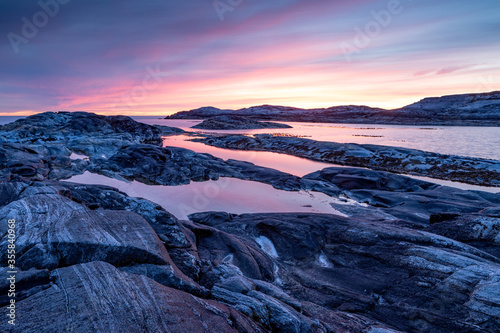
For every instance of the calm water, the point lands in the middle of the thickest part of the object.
(286, 163)
(483, 142)
(226, 194)
(470, 141)
(8, 119)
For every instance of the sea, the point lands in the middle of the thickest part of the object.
(238, 196)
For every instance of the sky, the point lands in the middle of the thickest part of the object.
(159, 57)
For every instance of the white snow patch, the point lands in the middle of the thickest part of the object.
(277, 279)
(323, 261)
(267, 246)
(75, 156)
(228, 259)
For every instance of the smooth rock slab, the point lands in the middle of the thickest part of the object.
(96, 297)
(53, 231)
(406, 279)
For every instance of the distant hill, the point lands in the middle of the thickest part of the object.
(454, 110)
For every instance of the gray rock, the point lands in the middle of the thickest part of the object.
(482, 232)
(407, 279)
(53, 231)
(61, 126)
(384, 158)
(166, 276)
(96, 297)
(401, 197)
(224, 122)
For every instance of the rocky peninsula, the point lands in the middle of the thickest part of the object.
(480, 109)
(410, 256)
(386, 158)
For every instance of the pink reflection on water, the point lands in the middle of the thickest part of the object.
(286, 163)
(227, 194)
(473, 141)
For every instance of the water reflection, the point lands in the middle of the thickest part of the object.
(286, 163)
(482, 142)
(227, 194)
(290, 164)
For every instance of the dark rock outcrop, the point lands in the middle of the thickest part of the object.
(235, 123)
(54, 231)
(386, 158)
(59, 126)
(82, 132)
(96, 297)
(408, 279)
(400, 197)
(40, 147)
(478, 230)
(174, 166)
(468, 109)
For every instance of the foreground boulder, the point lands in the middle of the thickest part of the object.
(96, 297)
(57, 232)
(406, 279)
(53, 231)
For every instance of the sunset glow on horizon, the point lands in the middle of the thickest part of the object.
(160, 57)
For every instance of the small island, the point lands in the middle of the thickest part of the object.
(231, 122)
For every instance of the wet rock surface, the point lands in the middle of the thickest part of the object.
(400, 197)
(385, 158)
(410, 256)
(235, 123)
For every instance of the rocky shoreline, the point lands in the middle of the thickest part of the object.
(480, 109)
(224, 122)
(385, 158)
(411, 256)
